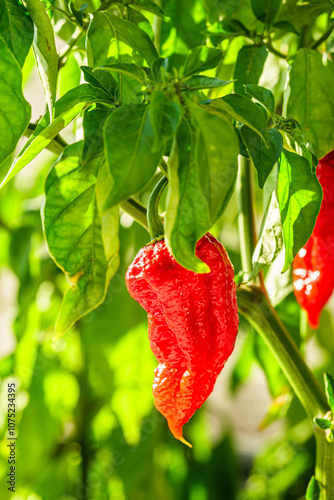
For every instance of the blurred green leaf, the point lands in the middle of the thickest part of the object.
(313, 490)
(198, 82)
(165, 117)
(100, 79)
(309, 101)
(329, 386)
(201, 59)
(263, 95)
(266, 11)
(322, 423)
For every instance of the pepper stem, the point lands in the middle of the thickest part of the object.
(154, 223)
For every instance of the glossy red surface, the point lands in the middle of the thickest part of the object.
(192, 324)
(313, 267)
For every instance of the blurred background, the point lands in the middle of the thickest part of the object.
(87, 427)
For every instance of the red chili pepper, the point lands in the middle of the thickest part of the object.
(313, 266)
(193, 323)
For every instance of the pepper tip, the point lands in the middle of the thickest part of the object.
(181, 438)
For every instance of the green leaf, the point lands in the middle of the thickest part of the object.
(149, 6)
(266, 10)
(264, 158)
(157, 67)
(202, 173)
(243, 110)
(201, 59)
(299, 197)
(15, 111)
(198, 82)
(286, 26)
(16, 28)
(249, 66)
(322, 423)
(165, 118)
(129, 139)
(41, 141)
(329, 387)
(112, 39)
(313, 490)
(270, 241)
(263, 95)
(44, 49)
(126, 69)
(310, 101)
(100, 80)
(74, 234)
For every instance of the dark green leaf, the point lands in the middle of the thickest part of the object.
(263, 95)
(313, 490)
(157, 66)
(311, 102)
(249, 66)
(266, 10)
(286, 26)
(243, 110)
(78, 13)
(16, 28)
(322, 423)
(42, 140)
(198, 82)
(270, 241)
(100, 79)
(299, 197)
(15, 111)
(329, 386)
(264, 158)
(202, 172)
(201, 59)
(165, 117)
(129, 139)
(45, 50)
(73, 230)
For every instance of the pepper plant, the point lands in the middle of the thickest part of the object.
(226, 101)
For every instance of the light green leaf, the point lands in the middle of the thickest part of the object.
(74, 234)
(198, 82)
(243, 110)
(311, 101)
(266, 10)
(42, 140)
(299, 197)
(270, 241)
(264, 158)
(329, 386)
(15, 111)
(45, 50)
(249, 66)
(263, 95)
(16, 28)
(149, 6)
(165, 116)
(129, 138)
(313, 490)
(202, 173)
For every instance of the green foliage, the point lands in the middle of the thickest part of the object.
(158, 99)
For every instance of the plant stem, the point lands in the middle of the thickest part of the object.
(323, 38)
(324, 466)
(255, 307)
(154, 223)
(246, 223)
(56, 146)
(78, 34)
(274, 51)
(134, 208)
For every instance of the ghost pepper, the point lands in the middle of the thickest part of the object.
(313, 266)
(192, 324)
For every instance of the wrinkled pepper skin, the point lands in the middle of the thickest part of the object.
(313, 266)
(192, 324)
